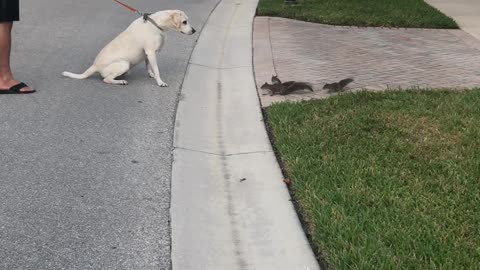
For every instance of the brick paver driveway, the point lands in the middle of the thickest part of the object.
(378, 58)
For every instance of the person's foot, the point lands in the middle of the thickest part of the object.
(6, 85)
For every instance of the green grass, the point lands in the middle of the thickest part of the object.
(386, 180)
(388, 13)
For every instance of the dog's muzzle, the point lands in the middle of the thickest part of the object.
(191, 31)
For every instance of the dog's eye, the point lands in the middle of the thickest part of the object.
(184, 22)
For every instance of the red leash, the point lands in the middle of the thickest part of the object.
(128, 7)
(145, 16)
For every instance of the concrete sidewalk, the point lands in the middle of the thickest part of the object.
(377, 58)
(230, 208)
(465, 12)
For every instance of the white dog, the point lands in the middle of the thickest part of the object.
(139, 42)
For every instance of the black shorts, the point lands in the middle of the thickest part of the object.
(9, 10)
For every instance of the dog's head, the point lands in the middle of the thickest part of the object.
(181, 23)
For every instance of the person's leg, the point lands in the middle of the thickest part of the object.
(6, 76)
(9, 12)
(5, 47)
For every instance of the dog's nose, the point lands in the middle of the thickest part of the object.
(193, 30)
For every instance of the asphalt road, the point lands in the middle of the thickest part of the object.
(85, 167)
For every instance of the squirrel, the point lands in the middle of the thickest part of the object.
(277, 87)
(286, 87)
(337, 86)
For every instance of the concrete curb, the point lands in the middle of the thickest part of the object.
(230, 208)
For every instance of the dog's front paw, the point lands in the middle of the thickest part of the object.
(123, 82)
(162, 84)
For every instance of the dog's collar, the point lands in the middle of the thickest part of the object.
(146, 17)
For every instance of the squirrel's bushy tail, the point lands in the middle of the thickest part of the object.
(344, 82)
(309, 86)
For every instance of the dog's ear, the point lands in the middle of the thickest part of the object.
(177, 19)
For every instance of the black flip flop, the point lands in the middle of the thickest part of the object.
(16, 90)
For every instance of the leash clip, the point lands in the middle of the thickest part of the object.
(145, 16)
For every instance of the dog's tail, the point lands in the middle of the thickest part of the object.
(89, 72)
